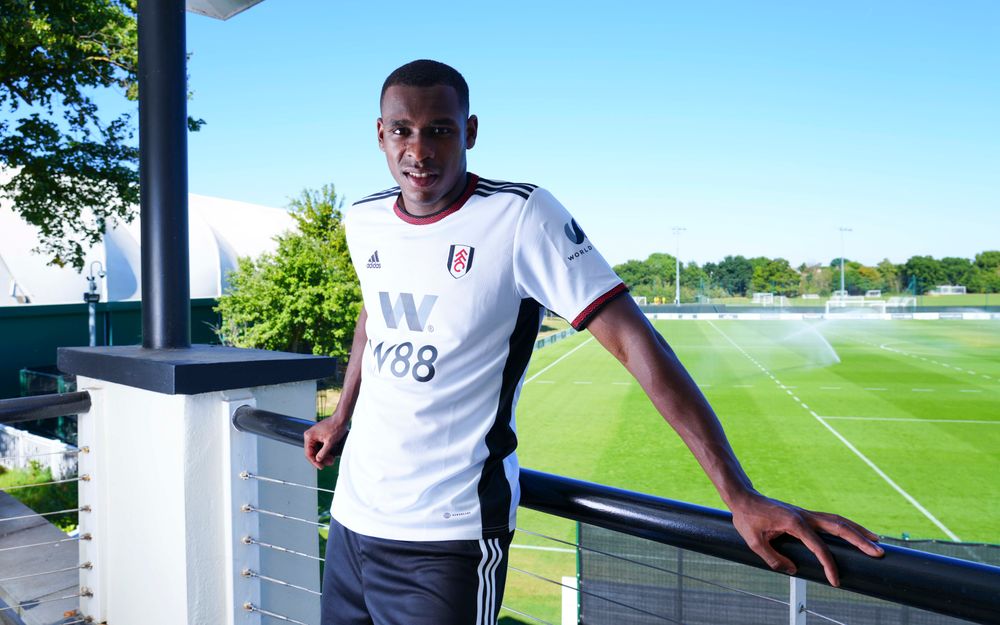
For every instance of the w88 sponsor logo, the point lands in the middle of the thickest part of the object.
(406, 359)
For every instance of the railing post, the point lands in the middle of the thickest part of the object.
(92, 495)
(796, 601)
(239, 459)
(570, 601)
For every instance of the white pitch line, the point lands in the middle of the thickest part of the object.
(534, 548)
(582, 382)
(559, 359)
(875, 388)
(830, 388)
(922, 390)
(909, 420)
(916, 504)
(874, 467)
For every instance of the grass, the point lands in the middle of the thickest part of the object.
(45, 498)
(917, 398)
(969, 299)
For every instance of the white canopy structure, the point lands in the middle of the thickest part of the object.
(220, 231)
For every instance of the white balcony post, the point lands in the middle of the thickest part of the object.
(570, 601)
(165, 492)
(796, 601)
(92, 495)
(240, 460)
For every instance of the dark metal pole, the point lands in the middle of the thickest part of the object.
(43, 406)
(163, 189)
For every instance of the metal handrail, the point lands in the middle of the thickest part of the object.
(948, 586)
(43, 406)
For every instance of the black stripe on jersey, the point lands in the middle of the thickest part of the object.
(503, 183)
(378, 196)
(485, 193)
(494, 490)
(489, 187)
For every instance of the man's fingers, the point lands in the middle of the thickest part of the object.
(321, 459)
(813, 542)
(771, 557)
(309, 446)
(853, 533)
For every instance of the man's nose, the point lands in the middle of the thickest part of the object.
(419, 147)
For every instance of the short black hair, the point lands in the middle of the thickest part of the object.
(427, 73)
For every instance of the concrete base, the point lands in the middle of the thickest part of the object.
(161, 521)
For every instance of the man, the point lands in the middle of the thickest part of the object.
(456, 272)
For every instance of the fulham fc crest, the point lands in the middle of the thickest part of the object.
(460, 260)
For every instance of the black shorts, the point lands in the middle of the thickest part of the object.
(376, 581)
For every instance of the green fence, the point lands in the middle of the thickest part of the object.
(30, 334)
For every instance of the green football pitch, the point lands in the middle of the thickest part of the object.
(894, 424)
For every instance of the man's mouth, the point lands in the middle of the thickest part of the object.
(421, 178)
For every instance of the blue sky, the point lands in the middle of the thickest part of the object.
(760, 127)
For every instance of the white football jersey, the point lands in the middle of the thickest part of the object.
(454, 303)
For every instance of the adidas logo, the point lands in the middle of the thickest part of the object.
(373, 262)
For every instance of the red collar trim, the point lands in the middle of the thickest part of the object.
(444, 212)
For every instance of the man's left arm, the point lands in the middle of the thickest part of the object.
(625, 332)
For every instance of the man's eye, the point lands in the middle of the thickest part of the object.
(401, 132)
(440, 131)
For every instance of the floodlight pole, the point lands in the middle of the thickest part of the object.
(677, 264)
(163, 184)
(843, 290)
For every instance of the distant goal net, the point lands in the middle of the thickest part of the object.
(855, 307)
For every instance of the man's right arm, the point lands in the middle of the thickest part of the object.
(322, 438)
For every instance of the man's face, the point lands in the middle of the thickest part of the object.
(424, 133)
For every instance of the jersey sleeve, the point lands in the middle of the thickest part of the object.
(556, 264)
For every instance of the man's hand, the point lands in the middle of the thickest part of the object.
(625, 332)
(759, 520)
(321, 441)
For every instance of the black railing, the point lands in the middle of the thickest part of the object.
(43, 406)
(922, 580)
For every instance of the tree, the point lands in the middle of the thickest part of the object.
(865, 279)
(653, 277)
(956, 270)
(815, 279)
(989, 260)
(305, 297)
(733, 274)
(927, 271)
(774, 276)
(73, 171)
(890, 273)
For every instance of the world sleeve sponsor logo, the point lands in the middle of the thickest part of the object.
(576, 236)
(574, 232)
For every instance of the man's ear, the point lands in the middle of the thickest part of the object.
(380, 129)
(471, 131)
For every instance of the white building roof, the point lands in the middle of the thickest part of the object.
(220, 231)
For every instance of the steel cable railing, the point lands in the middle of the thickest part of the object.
(32, 603)
(939, 584)
(271, 428)
(582, 591)
(30, 409)
(636, 562)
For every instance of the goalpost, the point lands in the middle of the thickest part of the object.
(855, 307)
